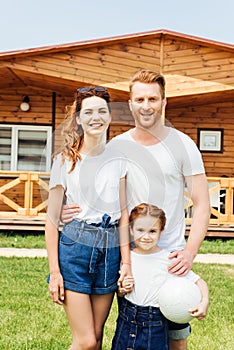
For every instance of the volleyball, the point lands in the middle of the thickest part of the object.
(176, 297)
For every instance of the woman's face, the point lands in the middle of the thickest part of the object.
(94, 116)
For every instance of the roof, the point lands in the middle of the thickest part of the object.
(109, 40)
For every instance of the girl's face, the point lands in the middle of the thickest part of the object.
(94, 116)
(146, 232)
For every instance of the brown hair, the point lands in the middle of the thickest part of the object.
(72, 133)
(149, 77)
(144, 209)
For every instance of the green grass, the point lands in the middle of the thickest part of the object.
(37, 240)
(22, 240)
(221, 246)
(29, 320)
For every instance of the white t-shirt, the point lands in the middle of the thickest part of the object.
(94, 184)
(156, 175)
(150, 272)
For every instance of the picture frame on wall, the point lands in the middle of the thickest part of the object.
(210, 140)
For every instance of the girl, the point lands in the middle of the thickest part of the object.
(84, 259)
(140, 324)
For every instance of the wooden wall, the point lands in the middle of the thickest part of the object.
(216, 115)
(190, 67)
(196, 68)
(40, 101)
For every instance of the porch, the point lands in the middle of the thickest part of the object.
(23, 202)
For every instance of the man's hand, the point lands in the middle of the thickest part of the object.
(69, 211)
(181, 264)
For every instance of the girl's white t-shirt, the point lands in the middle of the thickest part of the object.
(150, 272)
(94, 184)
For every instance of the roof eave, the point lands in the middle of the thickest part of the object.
(109, 40)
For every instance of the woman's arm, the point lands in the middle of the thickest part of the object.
(124, 233)
(55, 201)
(200, 310)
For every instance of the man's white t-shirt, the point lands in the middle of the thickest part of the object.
(156, 175)
(150, 271)
(94, 184)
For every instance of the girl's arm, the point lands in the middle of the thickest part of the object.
(200, 310)
(55, 201)
(124, 234)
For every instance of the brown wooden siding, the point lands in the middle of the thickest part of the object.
(217, 115)
(40, 101)
(199, 61)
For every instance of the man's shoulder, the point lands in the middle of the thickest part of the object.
(174, 131)
(124, 136)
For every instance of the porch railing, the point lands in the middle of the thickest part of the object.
(221, 202)
(24, 194)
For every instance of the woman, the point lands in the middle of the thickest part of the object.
(84, 259)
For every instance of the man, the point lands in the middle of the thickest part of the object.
(161, 161)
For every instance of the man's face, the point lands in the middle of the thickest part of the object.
(146, 104)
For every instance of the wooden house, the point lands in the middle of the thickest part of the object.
(200, 93)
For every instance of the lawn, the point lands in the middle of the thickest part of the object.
(37, 240)
(29, 320)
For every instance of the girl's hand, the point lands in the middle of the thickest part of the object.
(126, 285)
(56, 288)
(200, 310)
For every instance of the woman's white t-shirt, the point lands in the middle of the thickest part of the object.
(94, 184)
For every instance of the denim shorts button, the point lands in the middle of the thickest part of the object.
(132, 335)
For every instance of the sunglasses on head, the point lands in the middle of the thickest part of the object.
(95, 89)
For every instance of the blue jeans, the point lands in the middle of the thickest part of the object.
(140, 328)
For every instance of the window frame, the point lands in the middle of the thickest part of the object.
(15, 129)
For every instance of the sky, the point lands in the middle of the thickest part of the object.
(28, 24)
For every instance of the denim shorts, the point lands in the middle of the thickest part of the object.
(140, 327)
(178, 331)
(89, 257)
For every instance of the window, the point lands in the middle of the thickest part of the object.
(25, 148)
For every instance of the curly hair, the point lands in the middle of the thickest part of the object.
(73, 136)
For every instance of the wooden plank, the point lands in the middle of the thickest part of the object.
(190, 64)
(108, 61)
(127, 55)
(83, 76)
(206, 58)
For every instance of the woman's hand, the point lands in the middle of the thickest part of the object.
(56, 288)
(126, 285)
(125, 271)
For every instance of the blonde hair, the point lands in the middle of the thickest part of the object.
(148, 77)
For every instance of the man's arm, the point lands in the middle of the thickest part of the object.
(198, 189)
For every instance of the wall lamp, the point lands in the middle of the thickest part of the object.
(25, 106)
